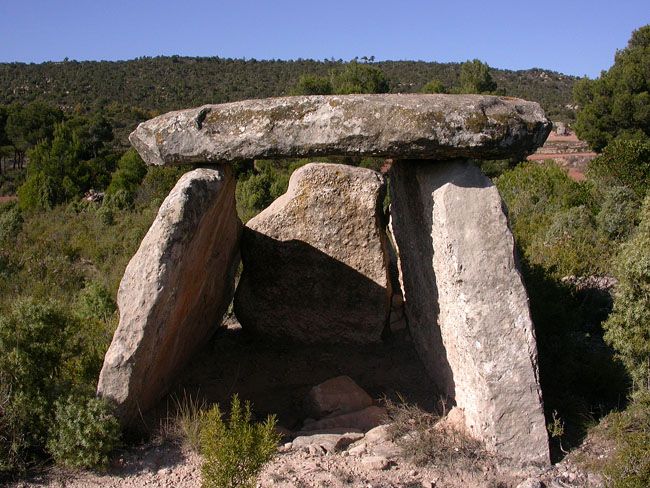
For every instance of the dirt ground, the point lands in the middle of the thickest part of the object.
(170, 465)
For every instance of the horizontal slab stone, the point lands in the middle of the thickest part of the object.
(403, 126)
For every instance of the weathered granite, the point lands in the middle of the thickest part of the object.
(393, 125)
(174, 292)
(315, 261)
(466, 303)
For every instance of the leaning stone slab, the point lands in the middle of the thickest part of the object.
(401, 126)
(315, 261)
(174, 291)
(466, 304)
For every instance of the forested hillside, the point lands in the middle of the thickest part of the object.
(167, 83)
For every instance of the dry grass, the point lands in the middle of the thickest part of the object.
(425, 440)
(182, 424)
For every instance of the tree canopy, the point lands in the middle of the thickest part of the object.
(618, 102)
(475, 77)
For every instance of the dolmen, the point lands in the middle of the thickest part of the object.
(316, 263)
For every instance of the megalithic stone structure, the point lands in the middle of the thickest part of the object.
(464, 298)
(458, 270)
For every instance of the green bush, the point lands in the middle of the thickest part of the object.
(618, 214)
(359, 78)
(11, 223)
(312, 85)
(45, 352)
(628, 327)
(571, 244)
(553, 220)
(630, 466)
(84, 433)
(434, 86)
(624, 162)
(34, 339)
(128, 176)
(235, 450)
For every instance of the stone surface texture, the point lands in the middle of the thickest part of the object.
(363, 420)
(336, 396)
(402, 126)
(466, 304)
(174, 290)
(315, 261)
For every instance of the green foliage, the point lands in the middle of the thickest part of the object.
(618, 102)
(11, 223)
(58, 172)
(157, 184)
(95, 302)
(259, 188)
(434, 86)
(475, 77)
(628, 327)
(84, 433)
(34, 351)
(618, 215)
(313, 85)
(624, 162)
(235, 450)
(571, 244)
(359, 78)
(630, 466)
(129, 174)
(554, 220)
(30, 124)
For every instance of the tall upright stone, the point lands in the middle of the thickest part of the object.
(315, 261)
(466, 303)
(174, 292)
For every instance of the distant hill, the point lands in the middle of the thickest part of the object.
(161, 84)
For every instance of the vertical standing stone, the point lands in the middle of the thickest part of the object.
(466, 303)
(315, 261)
(174, 292)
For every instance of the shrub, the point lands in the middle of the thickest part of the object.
(618, 212)
(95, 302)
(630, 466)
(359, 78)
(129, 174)
(312, 85)
(84, 433)
(434, 86)
(571, 244)
(33, 348)
(11, 222)
(628, 327)
(44, 351)
(624, 162)
(235, 450)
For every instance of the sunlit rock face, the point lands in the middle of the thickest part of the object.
(174, 292)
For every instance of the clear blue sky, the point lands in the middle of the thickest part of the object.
(574, 37)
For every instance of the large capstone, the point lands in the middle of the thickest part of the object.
(466, 304)
(397, 126)
(315, 261)
(174, 291)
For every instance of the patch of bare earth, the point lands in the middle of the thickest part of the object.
(568, 152)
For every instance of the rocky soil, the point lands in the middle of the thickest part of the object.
(363, 464)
